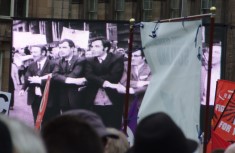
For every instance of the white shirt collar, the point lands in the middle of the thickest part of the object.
(42, 62)
(139, 66)
(69, 58)
(103, 57)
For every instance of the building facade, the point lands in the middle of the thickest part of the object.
(141, 10)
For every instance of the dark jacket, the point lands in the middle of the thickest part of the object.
(69, 94)
(111, 69)
(33, 71)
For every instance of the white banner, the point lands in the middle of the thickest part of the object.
(38, 39)
(175, 86)
(21, 39)
(79, 37)
(5, 99)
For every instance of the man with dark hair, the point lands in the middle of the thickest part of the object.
(68, 73)
(139, 78)
(140, 75)
(69, 134)
(102, 70)
(35, 80)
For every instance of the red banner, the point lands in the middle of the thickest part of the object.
(218, 142)
(223, 123)
(225, 127)
(43, 104)
(224, 92)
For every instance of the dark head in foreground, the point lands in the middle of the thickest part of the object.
(158, 133)
(17, 137)
(68, 134)
(94, 121)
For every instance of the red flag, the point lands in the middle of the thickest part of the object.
(209, 146)
(224, 92)
(225, 126)
(223, 122)
(218, 142)
(43, 104)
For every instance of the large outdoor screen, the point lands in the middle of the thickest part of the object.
(101, 87)
(91, 80)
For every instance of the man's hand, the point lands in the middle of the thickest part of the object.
(35, 79)
(107, 84)
(120, 88)
(21, 92)
(77, 81)
(131, 91)
(80, 81)
(142, 83)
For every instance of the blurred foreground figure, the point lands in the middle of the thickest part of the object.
(118, 145)
(68, 134)
(16, 137)
(95, 122)
(159, 134)
(230, 149)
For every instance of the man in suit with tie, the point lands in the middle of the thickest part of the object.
(35, 80)
(140, 74)
(139, 78)
(69, 75)
(101, 71)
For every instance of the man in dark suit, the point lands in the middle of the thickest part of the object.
(101, 71)
(35, 80)
(68, 73)
(140, 76)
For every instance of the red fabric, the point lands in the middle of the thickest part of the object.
(209, 146)
(43, 105)
(223, 125)
(224, 92)
(226, 125)
(218, 142)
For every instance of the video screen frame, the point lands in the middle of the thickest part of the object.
(49, 32)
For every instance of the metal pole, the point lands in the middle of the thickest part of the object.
(207, 122)
(186, 18)
(126, 108)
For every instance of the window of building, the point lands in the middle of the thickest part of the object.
(77, 1)
(16, 8)
(92, 9)
(205, 5)
(5, 8)
(20, 8)
(119, 9)
(147, 10)
(175, 8)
